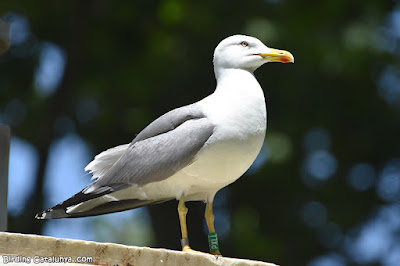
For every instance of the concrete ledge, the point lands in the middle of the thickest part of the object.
(15, 248)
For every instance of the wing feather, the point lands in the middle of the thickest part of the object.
(105, 160)
(167, 145)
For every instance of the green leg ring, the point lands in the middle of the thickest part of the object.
(213, 243)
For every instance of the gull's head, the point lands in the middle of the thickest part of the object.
(245, 52)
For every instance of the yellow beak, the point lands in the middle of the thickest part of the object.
(275, 55)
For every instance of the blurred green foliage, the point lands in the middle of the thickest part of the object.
(128, 62)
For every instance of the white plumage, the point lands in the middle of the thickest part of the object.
(191, 152)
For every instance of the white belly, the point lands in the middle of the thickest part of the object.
(218, 166)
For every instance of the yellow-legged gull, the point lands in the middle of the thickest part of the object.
(189, 153)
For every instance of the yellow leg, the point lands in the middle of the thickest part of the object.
(209, 217)
(212, 236)
(182, 211)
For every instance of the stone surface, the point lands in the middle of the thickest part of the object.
(34, 249)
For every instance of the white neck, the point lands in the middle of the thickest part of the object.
(238, 94)
(237, 107)
(241, 82)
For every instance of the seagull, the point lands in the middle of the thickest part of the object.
(189, 153)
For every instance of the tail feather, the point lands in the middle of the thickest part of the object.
(113, 206)
(98, 205)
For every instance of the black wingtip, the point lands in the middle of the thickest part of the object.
(41, 215)
(52, 213)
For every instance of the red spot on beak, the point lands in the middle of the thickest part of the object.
(285, 59)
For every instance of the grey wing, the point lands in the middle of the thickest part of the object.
(167, 145)
(170, 121)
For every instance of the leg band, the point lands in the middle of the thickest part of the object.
(213, 242)
(185, 242)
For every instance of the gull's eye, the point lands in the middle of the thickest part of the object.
(244, 44)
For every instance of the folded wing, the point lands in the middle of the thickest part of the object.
(166, 146)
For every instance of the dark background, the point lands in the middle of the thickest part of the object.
(326, 188)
